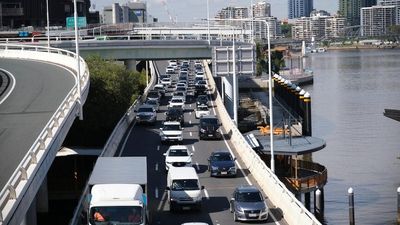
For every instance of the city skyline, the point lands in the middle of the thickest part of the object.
(181, 11)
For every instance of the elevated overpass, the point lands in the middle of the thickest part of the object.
(37, 113)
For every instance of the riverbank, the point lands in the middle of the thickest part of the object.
(352, 47)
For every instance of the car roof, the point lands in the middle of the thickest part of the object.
(178, 147)
(146, 106)
(247, 188)
(209, 117)
(182, 173)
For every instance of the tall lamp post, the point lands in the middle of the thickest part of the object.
(269, 85)
(208, 21)
(78, 73)
(48, 24)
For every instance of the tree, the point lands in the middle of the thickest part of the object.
(112, 90)
(262, 60)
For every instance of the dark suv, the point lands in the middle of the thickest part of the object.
(209, 128)
(175, 114)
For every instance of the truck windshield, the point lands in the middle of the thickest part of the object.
(189, 184)
(127, 215)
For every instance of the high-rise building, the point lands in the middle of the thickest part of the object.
(320, 25)
(231, 12)
(377, 20)
(350, 9)
(261, 9)
(300, 8)
(395, 3)
(334, 27)
(18, 13)
(131, 12)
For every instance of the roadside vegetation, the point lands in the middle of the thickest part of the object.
(262, 60)
(112, 90)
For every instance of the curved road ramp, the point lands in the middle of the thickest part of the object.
(28, 171)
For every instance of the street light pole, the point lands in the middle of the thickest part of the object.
(271, 121)
(48, 24)
(78, 70)
(208, 21)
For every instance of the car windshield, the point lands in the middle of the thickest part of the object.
(151, 102)
(202, 98)
(209, 121)
(175, 111)
(179, 94)
(178, 152)
(126, 215)
(145, 109)
(221, 157)
(176, 100)
(202, 108)
(190, 184)
(248, 196)
(171, 127)
(201, 82)
(153, 94)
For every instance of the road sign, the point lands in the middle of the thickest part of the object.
(71, 22)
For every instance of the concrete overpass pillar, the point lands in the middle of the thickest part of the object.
(30, 216)
(130, 64)
(42, 198)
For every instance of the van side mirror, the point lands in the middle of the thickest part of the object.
(234, 159)
(167, 188)
(165, 154)
(232, 199)
(191, 154)
(202, 187)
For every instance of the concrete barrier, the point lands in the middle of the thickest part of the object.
(28, 177)
(293, 210)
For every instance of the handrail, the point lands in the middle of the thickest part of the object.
(115, 138)
(23, 175)
(293, 210)
(306, 183)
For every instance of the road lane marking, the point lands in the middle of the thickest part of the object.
(197, 165)
(158, 148)
(190, 133)
(190, 122)
(190, 113)
(160, 205)
(156, 194)
(156, 166)
(193, 149)
(12, 87)
(206, 194)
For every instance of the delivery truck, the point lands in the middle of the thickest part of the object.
(117, 191)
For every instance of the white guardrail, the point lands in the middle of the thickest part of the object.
(293, 210)
(22, 177)
(113, 142)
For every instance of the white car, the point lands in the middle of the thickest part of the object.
(171, 131)
(177, 156)
(177, 101)
(202, 110)
(180, 94)
(166, 82)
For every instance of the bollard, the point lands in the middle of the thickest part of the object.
(351, 206)
(317, 204)
(398, 205)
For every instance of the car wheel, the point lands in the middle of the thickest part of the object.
(172, 207)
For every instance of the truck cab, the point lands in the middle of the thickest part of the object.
(117, 192)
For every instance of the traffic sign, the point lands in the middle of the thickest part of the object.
(70, 21)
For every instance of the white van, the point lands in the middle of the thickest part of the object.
(184, 189)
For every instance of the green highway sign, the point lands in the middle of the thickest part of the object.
(71, 22)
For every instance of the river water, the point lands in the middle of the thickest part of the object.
(350, 92)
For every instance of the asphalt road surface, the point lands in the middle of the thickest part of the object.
(144, 140)
(39, 90)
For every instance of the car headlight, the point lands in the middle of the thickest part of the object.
(238, 209)
(233, 168)
(264, 210)
(214, 167)
(202, 130)
(137, 117)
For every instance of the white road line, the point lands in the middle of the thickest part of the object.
(206, 194)
(193, 149)
(162, 200)
(12, 87)
(158, 148)
(190, 122)
(190, 113)
(197, 165)
(156, 194)
(190, 105)
(156, 167)
(190, 133)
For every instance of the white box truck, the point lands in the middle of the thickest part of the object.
(117, 191)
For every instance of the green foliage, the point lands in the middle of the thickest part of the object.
(112, 90)
(286, 30)
(395, 29)
(262, 60)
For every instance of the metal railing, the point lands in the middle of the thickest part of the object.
(318, 176)
(293, 210)
(16, 186)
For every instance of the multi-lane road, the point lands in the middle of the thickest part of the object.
(36, 91)
(145, 141)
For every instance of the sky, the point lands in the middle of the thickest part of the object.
(195, 10)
